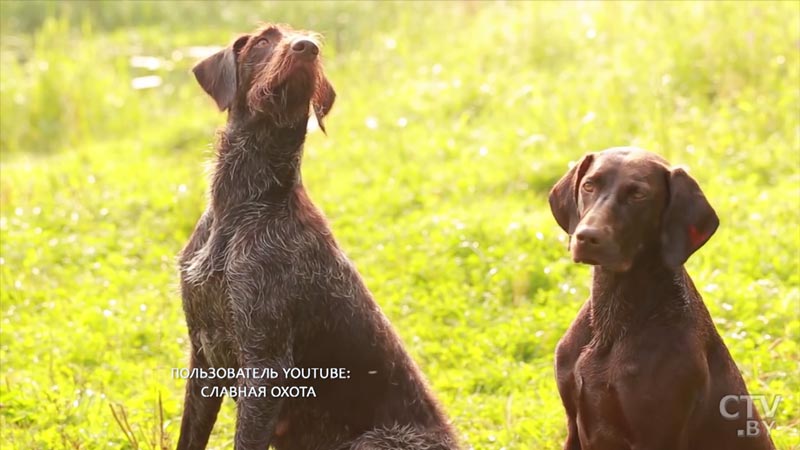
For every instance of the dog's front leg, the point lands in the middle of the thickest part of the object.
(256, 414)
(200, 409)
(567, 353)
(263, 335)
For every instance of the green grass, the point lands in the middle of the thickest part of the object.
(452, 122)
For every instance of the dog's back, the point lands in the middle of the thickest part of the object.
(338, 324)
(724, 420)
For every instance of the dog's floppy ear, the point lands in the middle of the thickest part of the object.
(564, 195)
(322, 100)
(217, 73)
(689, 220)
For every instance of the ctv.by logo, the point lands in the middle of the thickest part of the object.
(751, 424)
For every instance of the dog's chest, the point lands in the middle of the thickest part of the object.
(207, 317)
(205, 302)
(601, 420)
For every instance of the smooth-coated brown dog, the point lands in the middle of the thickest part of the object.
(266, 288)
(642, 367)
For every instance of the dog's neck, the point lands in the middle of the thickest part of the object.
(256, 164)
(621, 301)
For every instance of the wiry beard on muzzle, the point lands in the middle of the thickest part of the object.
(283, 88)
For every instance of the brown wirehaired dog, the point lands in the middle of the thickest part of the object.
(642, 366)
(266, 287)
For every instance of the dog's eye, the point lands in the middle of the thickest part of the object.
(638, 194)
(263, 42)
(588, 186)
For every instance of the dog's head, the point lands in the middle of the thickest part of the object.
(621, 202)
(274, 73)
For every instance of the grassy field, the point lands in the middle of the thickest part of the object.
(452, 122)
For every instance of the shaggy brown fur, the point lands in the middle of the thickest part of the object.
(266, 286)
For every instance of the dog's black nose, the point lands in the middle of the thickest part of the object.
(589, 235)
(305, 47)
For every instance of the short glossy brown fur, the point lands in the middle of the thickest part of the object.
(642, 366)
(265, 284)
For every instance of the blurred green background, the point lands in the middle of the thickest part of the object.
(452, 122)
